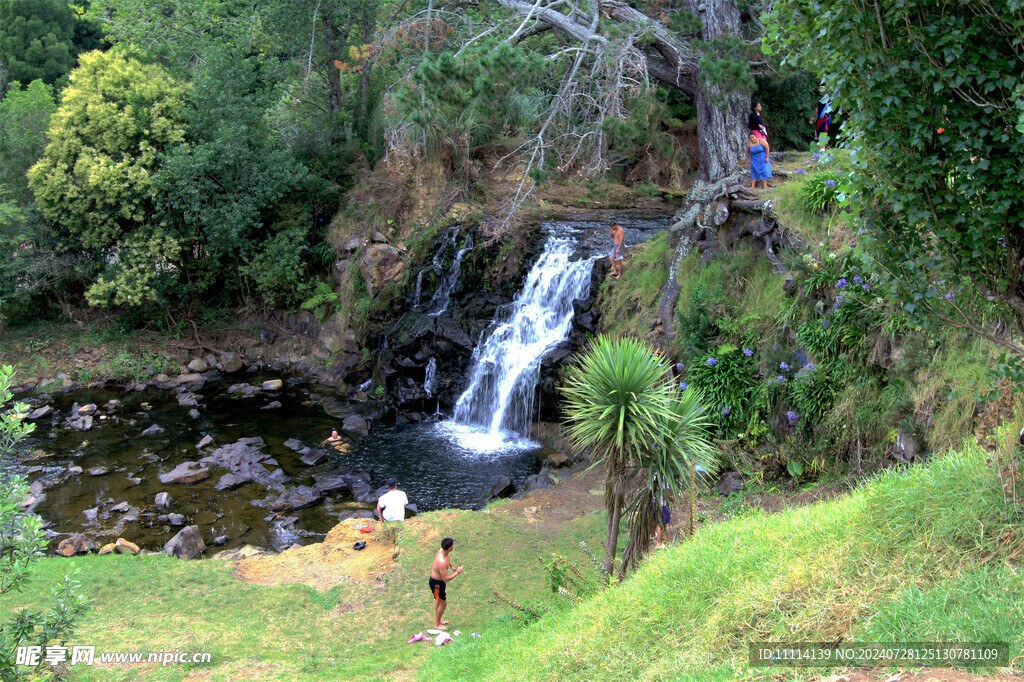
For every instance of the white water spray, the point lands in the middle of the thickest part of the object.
(506, 367)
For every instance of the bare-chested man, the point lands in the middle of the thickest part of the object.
(618, 252)
(439, 577)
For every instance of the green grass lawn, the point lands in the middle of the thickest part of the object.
(932, 554)
(291, 632)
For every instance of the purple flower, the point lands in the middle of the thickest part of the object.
(865, 287)
(816, 156)
(836, 306)
(683, 386)
(726, 411)
(830, 183)
(792, 416)
(800, 170)
(949, 296)
(712, 362)
(825, 324)
(748, 352)
(857, 279)
(775, 347)
(841, 283)
(679, 366)
(784, 366)
(810, 367)
(780, 379)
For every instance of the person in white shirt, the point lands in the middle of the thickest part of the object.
(391, 505)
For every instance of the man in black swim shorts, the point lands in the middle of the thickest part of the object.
(439, 576)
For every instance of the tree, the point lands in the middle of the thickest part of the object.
(94, 182)
(22, 541)
(621, 404)
(24, 117)
(934, 99)
(37, 39)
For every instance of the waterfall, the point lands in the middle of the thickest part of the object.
(428, 381)
(419, 288)
(506, 367)
(439, 303)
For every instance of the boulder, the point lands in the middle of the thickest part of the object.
(231, 363)
(187, 544)
(273, 405)
(296, 498)
(272, 385)
(557, 460)
(536, 481)
(248, 390)
(355, 424)
(503, 488)
(107, 548)
(163, 501)
(176, 519)
(154, 430)
(206, 440)
(72, 545)
(90, 514)
(335, 481)
(188, 400)
(120, 507)
(194, 413)
(126, 547)
(98, 471)
(381, 264)
(246, 552)
(185, 473)
(220, 540)
(40, 413)
(294, 444)
(80, 423)
(313, 456)
(86, 410)
(729, 483)
(232, 481)
(198, 365)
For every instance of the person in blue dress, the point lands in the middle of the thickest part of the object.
(760, 163)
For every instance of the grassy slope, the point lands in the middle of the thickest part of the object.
(912, 556)
(293, 632)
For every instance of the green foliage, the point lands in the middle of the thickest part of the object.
(37, 39)
(23, 541)
(728, 379)
(932, 93)
(278, 272)
(24, 117)
(819, 192)
(218, 185)
(115, 119)
(323, 301)
(788, 101)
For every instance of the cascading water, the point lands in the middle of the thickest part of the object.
(506, 367)
(431, 374)
(439, 303)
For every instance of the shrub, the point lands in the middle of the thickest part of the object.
(819, 193)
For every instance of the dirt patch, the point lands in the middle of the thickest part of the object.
(328, 563)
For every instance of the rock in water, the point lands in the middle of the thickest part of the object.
(163, 500)
(198, 365)
(355, 424)
(272, 385)
(186, 473)
(187, 544)
(503, 488)
(206, 440)
(154, 430)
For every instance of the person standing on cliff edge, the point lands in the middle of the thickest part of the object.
(618, 252)
(441, 573)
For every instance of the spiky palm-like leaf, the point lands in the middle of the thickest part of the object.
(618, 401)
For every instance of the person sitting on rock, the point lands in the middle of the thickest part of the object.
(391, 505)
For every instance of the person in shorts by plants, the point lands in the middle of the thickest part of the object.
(618, 252)
(441, 573)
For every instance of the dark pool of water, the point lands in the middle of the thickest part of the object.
(434, 470)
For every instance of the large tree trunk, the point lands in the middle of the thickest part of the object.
(720, 114)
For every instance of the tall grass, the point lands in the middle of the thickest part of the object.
(879, 565)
